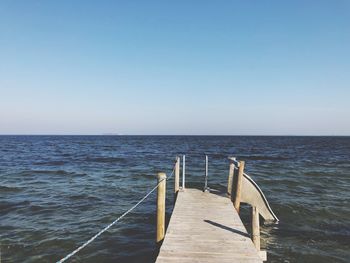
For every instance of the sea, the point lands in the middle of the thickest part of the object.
(56, 192)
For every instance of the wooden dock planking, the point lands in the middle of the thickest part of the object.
(205, 227)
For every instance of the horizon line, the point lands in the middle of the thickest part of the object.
(218, 135)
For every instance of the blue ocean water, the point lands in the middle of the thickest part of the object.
(58, 191)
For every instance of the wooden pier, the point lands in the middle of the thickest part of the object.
(206, 227)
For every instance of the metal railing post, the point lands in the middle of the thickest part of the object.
(206, 174)
(230, 176)
(183, 171)
(177, 174)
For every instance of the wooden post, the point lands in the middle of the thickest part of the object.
(255, 227)
(161, 206)
(230, 176)
(237, 202)
(177, 174)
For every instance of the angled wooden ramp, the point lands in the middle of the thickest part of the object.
(205, 227)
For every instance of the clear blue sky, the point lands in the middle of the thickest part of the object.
(175, 67)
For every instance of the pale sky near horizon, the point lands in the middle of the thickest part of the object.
(175, 67)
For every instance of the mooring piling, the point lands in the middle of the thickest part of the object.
(161, 194)
(237, 199)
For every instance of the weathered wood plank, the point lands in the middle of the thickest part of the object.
(205, 227)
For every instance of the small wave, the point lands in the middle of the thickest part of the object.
(51, 172)
(263, 158)
(58, 172)
(109, 148)
(8, 189)
(53, 163)
(84, 197)
(105, 159)
(317, 173)
(6, 207)
(35, 208)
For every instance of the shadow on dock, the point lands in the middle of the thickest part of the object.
(227, 228)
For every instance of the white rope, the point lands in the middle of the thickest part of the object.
(115, 221)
